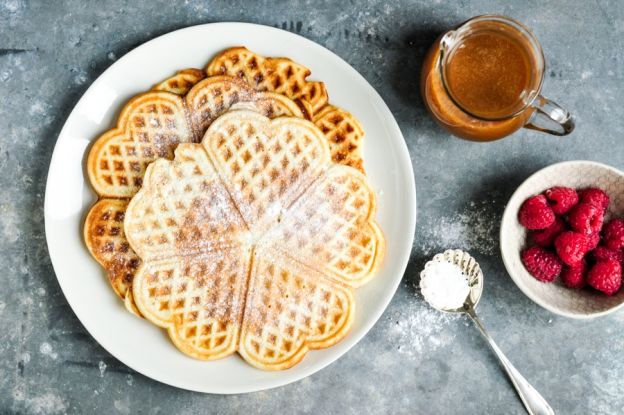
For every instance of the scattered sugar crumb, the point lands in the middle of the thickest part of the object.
(18, 394)
(80, 78)
(586, 75)
(48, 403)
(12, 6)
(474, 230)
(102, 367)
(46, 349)
(122, 406)
(129, 380)
(37, 108)
(420, 329)
(609, 389)
(10, 227)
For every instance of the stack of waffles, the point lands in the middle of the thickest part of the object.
(234, 211)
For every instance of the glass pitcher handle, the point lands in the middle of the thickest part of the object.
(549, 117)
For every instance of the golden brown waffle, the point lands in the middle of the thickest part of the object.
(222, 269)
(182, 82)
(216, 94)
(270, 104)
(197, 299)
(320, 229)
(291, 309)
(106, 240)
(129, 158)
(280, 75)
(306, 108)
(343, 131)
(150, 126)
(344, 134)
(265, 169)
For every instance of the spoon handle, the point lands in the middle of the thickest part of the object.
(534, 403)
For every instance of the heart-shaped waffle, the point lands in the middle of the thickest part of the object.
(234, 258)
(344, 134)
(332, 229)
(150, 126)
(265, 166)
(280, 75)
(104, 234)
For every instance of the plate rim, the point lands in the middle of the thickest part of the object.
(402, 257)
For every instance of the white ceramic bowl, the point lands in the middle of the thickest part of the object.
(585, 303)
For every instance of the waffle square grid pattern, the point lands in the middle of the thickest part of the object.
(234, 258)
(179, 110)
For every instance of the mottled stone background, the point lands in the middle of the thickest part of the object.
(413, 360)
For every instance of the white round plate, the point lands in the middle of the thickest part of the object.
(138, 343)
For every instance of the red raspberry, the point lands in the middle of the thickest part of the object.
(542, 264)
(594, 196)
(571, 247)
(586, 218)
(606, 276)
(593, 240)
(536, 213)
(546, 237)
(561, 199)
(602, 254)
(614, 234)
(574, 277)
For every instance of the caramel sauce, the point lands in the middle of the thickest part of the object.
(488, 74)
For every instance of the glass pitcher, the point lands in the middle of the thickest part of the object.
(482, 81)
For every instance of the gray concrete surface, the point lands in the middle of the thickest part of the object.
(413, 360)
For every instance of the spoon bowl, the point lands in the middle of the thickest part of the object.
(471, 270)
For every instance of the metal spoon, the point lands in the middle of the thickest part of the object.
(534, 403)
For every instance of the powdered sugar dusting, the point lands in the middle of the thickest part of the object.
(610, 387)
(46, 349)
(420, 329)
(191, 222)
(48, 403)
(474, 229)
